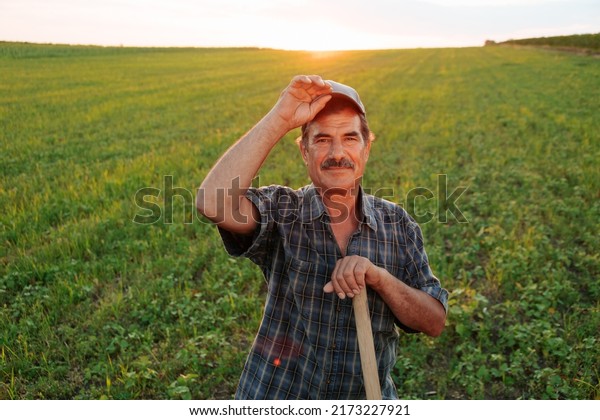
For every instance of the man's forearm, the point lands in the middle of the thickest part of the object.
(414, 308)
(221, 191)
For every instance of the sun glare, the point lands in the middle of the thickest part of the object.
(324, 36)
(317, 43)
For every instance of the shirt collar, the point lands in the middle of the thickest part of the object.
(312, 204)
(313, 207)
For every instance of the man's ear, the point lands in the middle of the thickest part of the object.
(368, 148)
(303, 150)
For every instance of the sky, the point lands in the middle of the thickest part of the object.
(293, 24)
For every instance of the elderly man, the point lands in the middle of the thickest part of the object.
(318, 247)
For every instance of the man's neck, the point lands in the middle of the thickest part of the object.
(342, 205)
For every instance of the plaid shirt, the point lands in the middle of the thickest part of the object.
(306, 347)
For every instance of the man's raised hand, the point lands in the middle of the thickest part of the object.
(301, 101)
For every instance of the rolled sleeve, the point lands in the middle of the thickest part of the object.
(254, 246)
(438, 293)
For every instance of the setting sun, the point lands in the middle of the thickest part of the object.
(326, 36)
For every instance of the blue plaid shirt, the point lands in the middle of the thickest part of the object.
(306, 346)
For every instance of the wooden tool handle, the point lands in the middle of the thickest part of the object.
(365, 346)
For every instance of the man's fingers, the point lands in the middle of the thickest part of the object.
(359, 277)
(300, 81)
(348, 277)
(334, 283)
(313, 85)
(305, 82)
(310, 80)
(349, 274)
(318, 104)
(302, 100)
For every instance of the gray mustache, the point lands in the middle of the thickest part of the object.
(333, 163)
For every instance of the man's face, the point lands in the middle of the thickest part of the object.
(336, 153)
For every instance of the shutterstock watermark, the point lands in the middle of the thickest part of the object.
(161, 205)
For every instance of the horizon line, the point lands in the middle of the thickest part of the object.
(249, 47)
(255, 47)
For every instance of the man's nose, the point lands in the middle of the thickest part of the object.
(336, 150)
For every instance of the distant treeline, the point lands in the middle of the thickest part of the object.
(33, 50)
(588, 42)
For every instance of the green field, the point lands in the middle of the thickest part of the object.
(95, 305)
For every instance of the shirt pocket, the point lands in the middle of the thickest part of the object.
(307, 280)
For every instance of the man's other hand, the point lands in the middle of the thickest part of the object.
(350, 276)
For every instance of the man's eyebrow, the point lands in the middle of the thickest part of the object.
(349, 134)
(321, 135)
(352, 134)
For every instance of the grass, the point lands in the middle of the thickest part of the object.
(94, 305)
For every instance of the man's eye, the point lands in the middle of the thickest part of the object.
(351, 139)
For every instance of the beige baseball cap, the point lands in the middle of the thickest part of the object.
(346, 92)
